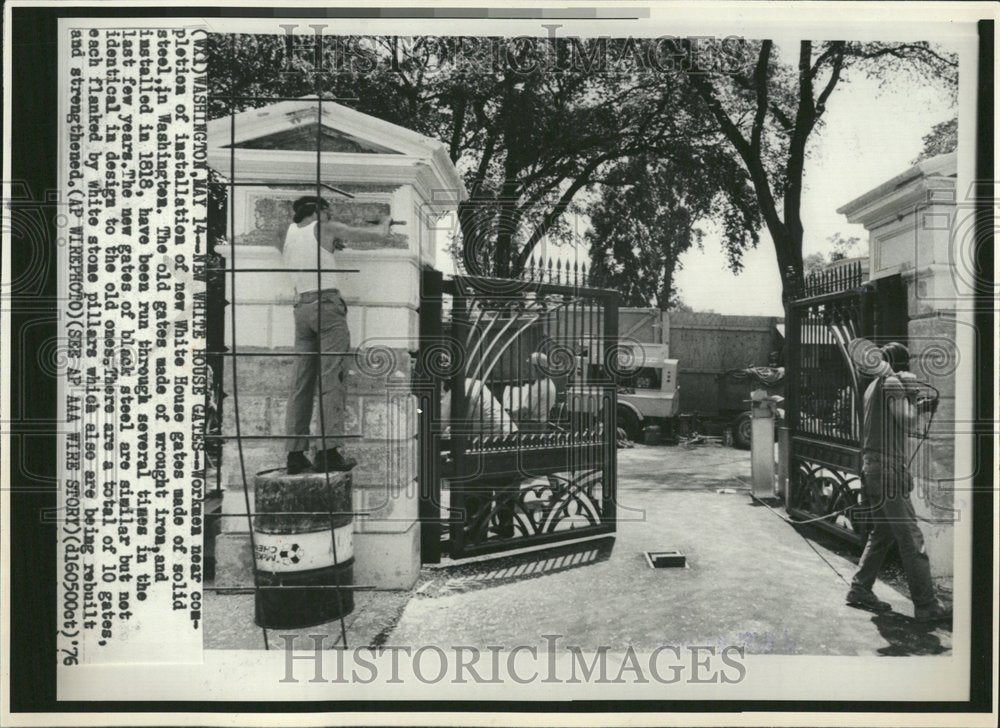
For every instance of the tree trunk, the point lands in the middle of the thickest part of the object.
(506, 224)
(788, 251)
(666, 289)
(476, 255)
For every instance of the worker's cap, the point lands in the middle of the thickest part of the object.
(897, 356)
(308, 205)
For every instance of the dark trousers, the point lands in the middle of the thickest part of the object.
(320, 326)
(895, 522)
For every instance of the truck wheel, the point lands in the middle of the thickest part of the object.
(743, 431)
(630, 423)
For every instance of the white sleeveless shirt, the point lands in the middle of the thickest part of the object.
(300, 253)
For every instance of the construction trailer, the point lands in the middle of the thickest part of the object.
(686, 371)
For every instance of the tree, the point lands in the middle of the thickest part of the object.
(649, 213)
(768, 111)
(842, 247)
(943, 138)
(813, 264)
(527, 142)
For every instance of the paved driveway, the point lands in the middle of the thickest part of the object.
(751, 579)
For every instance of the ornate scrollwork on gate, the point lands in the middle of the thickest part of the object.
(821, 490)
(527, 510)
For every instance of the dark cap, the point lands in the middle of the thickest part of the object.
(306, 206)
(897, 355)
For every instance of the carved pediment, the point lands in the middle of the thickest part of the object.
(278, 143)
(303, 139)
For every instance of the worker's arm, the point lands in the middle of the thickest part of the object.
(330, 233)
(900, 394)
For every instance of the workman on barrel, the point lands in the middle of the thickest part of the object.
(320, 327)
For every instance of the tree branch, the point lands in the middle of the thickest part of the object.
(760, 83)
(729, 129)
(754, 164)
(454, 149)
(556, 210)
(838, 64)
(900, 51)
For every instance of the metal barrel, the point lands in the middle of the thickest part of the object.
(297, 520)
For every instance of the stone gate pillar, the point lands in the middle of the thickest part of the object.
(388, 170)
(909, 219)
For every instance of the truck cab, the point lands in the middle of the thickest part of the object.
(647, 387)
(646, 384)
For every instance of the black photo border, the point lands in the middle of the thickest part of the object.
(32, 648)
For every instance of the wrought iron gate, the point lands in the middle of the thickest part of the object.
(517, 429)
(824, 391)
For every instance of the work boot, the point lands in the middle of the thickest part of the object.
(298, 463)
(866, 599)
(331, 460)
(935, 612)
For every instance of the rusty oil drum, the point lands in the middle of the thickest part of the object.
(294, 535)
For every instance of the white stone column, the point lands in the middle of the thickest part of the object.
(383, 168)
(383, 299)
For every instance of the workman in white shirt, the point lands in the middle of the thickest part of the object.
(320, 326)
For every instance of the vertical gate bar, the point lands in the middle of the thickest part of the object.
(793, 361)
(554, 336)
(430, 419)
(460, 421)
(822, 351)
(588, 456)
(232, 326)
(576, 407)
(596, 442)
(833, 381)
(319, 354)
(610, 338)
(588, 369)
(586, 419)
(593, 316)
(520, 365)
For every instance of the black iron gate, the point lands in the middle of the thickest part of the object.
(824, 390)
(517, 428)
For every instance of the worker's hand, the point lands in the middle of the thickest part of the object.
(909, 381)
(927, 404)
(338, 244)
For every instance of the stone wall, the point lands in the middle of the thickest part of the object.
(933, 357)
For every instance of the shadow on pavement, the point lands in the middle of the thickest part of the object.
(907, 637)
(459, 578)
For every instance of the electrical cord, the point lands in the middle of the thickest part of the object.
(795, 522)
(811, 544)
